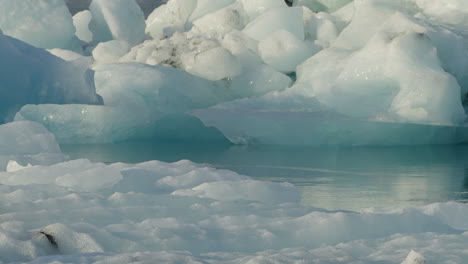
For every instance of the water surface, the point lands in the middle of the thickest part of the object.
(348, 178)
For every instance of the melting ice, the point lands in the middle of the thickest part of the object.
(367, 72)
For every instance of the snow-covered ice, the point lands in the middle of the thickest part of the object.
(77, 211)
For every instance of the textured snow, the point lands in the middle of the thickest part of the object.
(77, 211)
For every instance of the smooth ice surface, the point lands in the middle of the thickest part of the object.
(286, 18)
(42, 23)
(27, 142)
(110, 51)
(136, 97)
(30, 75)
(117, 19)
(81, 21)
(283, 51)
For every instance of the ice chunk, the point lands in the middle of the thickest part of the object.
(212, 64)
(197, 54)
(170, 17)
(28, 143)
(117, 19)
(414, 258)
(67, 55)
(22, 138)
(287, 18)
(136, 96)
(110, 51)
(259, 80)
(451, 12)
(294, 118)
(405, 87)
(29, 75)
(283, 51)
(322, 5)
(223, 21)
(244, 190)
(81, 21)
(254, 8)
(42, 23)
(12, 166)
(204, 7)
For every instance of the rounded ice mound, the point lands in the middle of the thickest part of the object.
(197, 54)
(81, 21)
(42, 23)
(286, 18)
(322, 5)
(170, 17)
(223, 21)
(414, 258)
(26, 137)
(28, 143)
(254, 8)
(110, 51)
(283, 51)
(117, 19)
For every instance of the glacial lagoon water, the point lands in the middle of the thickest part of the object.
(335, 178)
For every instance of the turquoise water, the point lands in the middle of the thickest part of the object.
(333, 178)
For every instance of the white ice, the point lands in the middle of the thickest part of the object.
(42, 23)
(327, 72)
(77, 211)
(117, 20)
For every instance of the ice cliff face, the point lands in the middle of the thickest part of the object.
(30, 75)
(327, 72)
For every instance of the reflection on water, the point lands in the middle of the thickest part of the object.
(332, 178)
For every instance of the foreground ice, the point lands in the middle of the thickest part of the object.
(77, 211)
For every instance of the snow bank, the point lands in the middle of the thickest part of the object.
(42, 23)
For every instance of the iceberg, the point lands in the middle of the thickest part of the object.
(30, 75)
(319, 72)
(42, 23)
